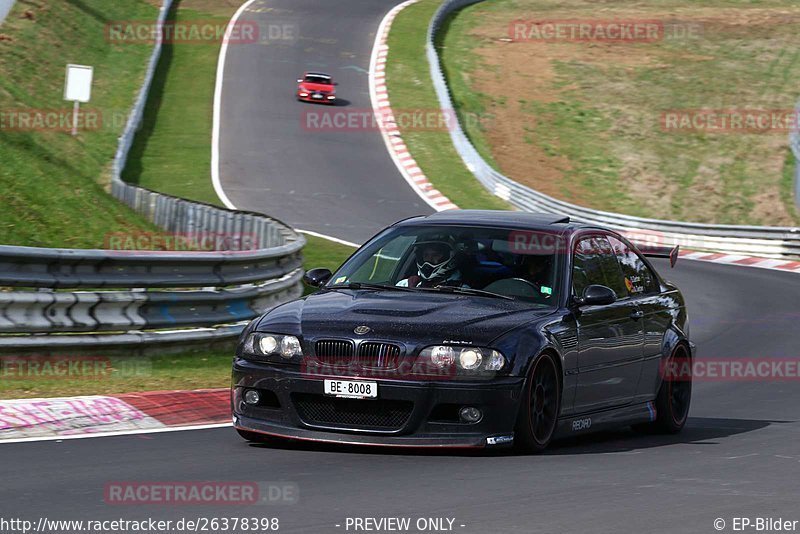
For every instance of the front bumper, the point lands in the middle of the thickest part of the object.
(406, 413)
(323, 100)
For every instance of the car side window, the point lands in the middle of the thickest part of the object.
(594, 262)
(638, 277)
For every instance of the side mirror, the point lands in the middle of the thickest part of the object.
(317, 277)
(597, 295)
(299, 80)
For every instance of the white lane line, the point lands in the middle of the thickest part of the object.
(117, 433)
(223, 52)
(330, 238)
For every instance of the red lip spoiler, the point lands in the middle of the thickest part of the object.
(664, 252)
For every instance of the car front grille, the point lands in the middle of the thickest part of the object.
(378, 414)
(379, 355)
(371, 354)
(334, 351)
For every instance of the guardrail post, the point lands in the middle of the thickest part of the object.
(794, 143)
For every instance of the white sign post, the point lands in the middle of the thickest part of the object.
(78, 88)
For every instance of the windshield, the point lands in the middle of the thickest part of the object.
(518, 264)
(313, 78)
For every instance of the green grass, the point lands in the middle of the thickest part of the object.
(588, 115)
(172, 151)
(323, 253)
(116, 373)
(410, 88)
(51, 184)
(55, 177)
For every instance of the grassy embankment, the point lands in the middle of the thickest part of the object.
(51, 184)
(582, 120)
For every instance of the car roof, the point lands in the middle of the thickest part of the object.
(497, 218)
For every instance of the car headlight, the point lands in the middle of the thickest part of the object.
(470, 360)
(275, 347)
(442, 356)
(303, 93)
(268, 344)
(290, 347)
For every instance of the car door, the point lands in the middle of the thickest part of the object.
(645, 289)
(610, 337)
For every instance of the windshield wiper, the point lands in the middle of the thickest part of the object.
(464, 291)
(368, 285)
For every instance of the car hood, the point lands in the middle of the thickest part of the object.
(413, 318)
(322, 88)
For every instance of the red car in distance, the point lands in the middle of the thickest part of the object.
(316, 87)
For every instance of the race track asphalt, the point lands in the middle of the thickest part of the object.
(738, 456)
(335, 181)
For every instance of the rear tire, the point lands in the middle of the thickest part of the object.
(674, 396)
(253, 437)
(540, 405)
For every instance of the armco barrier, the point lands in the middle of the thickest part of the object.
(775, 242)
(123, 298)
(217, 291)
(794, 142)
(5, 8)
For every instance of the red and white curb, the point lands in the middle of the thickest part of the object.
(379, 95)
(746, 261)
(126, 413)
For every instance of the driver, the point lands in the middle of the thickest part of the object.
(536, 269)
(436, 265)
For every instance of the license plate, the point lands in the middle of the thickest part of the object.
(316, 96)
(351, 390)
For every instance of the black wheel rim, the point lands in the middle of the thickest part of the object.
(543, 399)
(680, 389)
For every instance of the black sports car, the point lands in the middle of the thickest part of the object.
(471, 328)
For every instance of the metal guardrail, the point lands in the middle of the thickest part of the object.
(794, 143)
(106, 311)
(5, 8)
(217, 290)
(777, 242)
(197, 296)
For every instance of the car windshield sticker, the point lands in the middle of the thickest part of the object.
(547, 290)
(340, 280)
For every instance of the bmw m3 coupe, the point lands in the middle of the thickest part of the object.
(471, 329)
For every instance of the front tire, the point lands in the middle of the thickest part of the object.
(540, 405)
